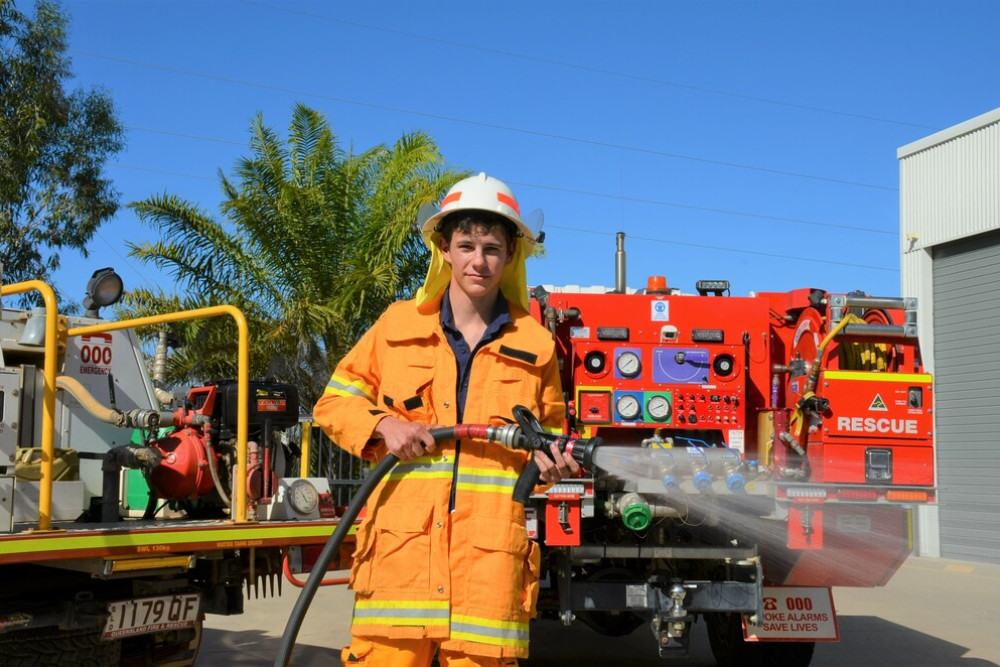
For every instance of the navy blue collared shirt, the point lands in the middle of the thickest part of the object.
(463, 355)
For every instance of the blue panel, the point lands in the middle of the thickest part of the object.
(680, 366)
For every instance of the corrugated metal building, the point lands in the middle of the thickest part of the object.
(950, 234)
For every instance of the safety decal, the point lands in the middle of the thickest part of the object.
(878, 405)
(659, 311)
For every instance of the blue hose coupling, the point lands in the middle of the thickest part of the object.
(702, 481)
(670, 483)
(736, 483)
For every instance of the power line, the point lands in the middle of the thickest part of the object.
(732, 250)
(186, 135)
(495, 126)
(641, 238)
(707, 209)
(592, 69)
(576, 191)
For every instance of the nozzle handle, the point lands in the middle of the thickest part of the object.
(526, 482)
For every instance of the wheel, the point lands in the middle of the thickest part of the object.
(790, 654)
(174, 648)
(725, 636)
(52, 646)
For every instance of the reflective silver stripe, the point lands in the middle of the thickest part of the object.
(401, 615)
(488, 631)
(422, 466)
(471, 479)
(355, 388)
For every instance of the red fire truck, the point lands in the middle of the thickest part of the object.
(757, 451)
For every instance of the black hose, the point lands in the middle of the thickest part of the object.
(333, 545)
(319, 568)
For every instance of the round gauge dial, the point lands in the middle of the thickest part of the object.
(628, 407)
(628, 364)
(658, 408)
(302, 496)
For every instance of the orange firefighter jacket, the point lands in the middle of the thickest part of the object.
(443, 551)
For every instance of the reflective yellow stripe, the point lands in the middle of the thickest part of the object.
(909, 378)
(339, 386)
(489, 631)
(487, 480)
(402, 612)
(231, 537)
(423, 467)
(554, 430)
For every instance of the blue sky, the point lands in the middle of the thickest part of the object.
(749, 141)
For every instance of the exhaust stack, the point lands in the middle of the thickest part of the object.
(620, 283)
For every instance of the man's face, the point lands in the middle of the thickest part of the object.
(477, 260)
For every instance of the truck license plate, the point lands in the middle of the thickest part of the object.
(127, 618)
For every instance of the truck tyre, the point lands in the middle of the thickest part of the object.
(725, 636)
(174, 648)
(52, 646)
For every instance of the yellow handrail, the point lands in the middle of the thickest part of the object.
(48, 394)
(306, 443)
(242, 372)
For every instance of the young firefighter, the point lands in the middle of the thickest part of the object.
(443, 562)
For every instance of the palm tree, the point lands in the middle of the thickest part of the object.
(316, 241)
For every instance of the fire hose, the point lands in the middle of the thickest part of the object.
(527, 434)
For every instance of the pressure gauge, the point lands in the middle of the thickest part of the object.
(658, 408)
(628, 407)
(628, 364)
(302, 496)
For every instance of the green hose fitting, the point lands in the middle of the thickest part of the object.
(635, 511)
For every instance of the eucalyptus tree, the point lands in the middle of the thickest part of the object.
(54, 144)
(313, 242)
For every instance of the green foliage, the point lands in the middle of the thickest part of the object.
(314, 243)
(53, 147)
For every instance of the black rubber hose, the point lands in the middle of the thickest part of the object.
(312, 584)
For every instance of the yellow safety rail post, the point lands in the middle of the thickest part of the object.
(306, 441)
(48, 394)
(242, 381)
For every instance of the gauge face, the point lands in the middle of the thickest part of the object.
(658, 408)
(628, 407)
(628, 364)
(302, 496)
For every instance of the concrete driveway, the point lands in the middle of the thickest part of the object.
(934, 612)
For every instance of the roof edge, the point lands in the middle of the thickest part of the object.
(950, 133)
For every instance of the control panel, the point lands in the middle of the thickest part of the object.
(655, 385)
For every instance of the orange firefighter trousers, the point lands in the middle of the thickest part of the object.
(390, 652)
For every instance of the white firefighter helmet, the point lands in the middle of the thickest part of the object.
(481, 193)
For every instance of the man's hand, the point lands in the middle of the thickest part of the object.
(557, 467)
(406, 440)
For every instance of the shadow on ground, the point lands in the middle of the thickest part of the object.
(865, 640)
